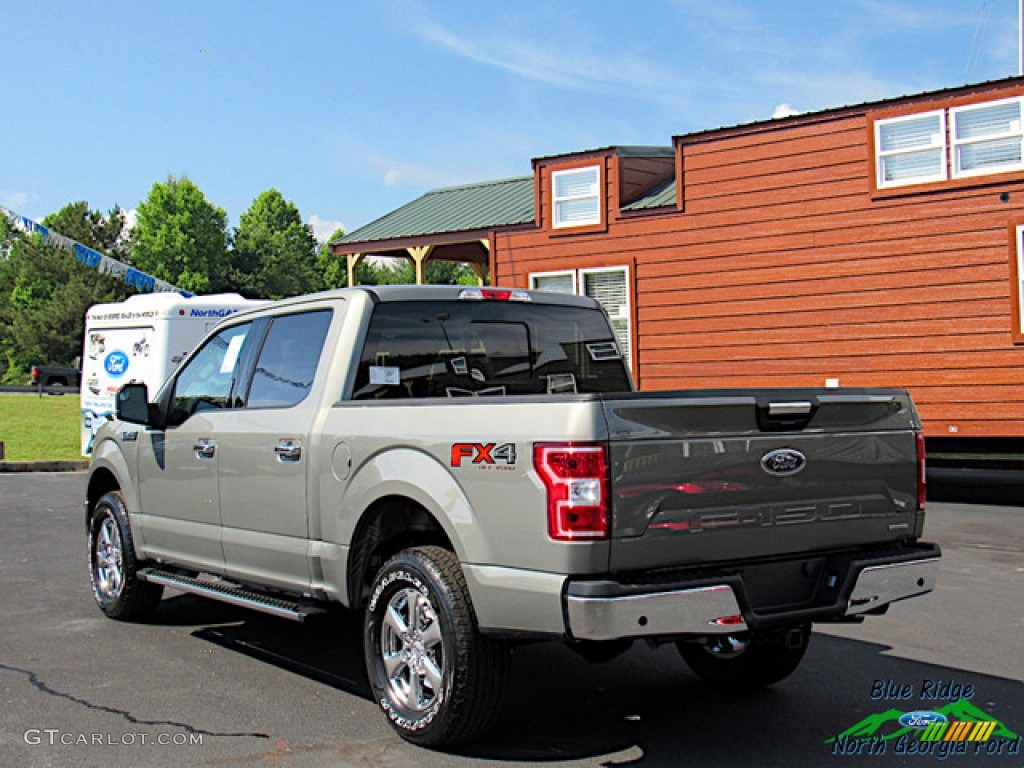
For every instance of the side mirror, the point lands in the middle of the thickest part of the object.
(133, 404)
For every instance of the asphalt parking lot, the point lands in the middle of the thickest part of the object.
(208, 684)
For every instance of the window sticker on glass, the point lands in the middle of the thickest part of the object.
(561, 383)
(231, 356)
(460, 366)
(385, 374)
(603, 350)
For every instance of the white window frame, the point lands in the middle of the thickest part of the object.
(556, 201)
(625, 312)
(938, 143)
(1019, 233)
(556, 273)
(956, 145)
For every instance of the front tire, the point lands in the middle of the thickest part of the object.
(749, 661)
(435, 677)
(113, 568)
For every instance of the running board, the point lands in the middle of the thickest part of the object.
(245, 598)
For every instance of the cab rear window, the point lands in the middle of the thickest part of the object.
(458, 349)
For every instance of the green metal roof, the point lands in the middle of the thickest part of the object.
(661, 196)
(466, 208)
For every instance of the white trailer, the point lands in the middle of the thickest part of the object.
(142, 339)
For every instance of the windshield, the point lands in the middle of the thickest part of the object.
(473, 349)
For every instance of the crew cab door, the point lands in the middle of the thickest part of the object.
(264, 461)
(178, 465)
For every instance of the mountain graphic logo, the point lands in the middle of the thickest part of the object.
(886, 726)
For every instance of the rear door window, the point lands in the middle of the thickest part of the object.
(288, 360)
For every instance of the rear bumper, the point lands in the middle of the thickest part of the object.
(828, 587)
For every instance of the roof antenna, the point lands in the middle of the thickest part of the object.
(980, 29)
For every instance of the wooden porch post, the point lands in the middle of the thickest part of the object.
(481, 269)
(419, 256)
(353, 264)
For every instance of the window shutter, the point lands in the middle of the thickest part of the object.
(611, 289)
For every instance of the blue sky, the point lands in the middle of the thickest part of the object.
(352, 109)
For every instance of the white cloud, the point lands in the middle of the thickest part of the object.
(397, 173)
(16, 201)
(131, 218)
(784, 110)
(564, 61)
(324, 228)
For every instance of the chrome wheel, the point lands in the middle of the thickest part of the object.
(108, 563)
(412, 651)
(435, 677)
(113, 568)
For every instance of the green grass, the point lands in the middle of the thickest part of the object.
(45, 428)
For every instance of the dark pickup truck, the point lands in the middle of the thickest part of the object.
(54, 376)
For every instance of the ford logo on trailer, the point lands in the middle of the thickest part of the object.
(116, 363)
(782, 462)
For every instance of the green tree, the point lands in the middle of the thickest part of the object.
(181, 237)
(403, 272)
(104, 233)
(334, 269)
(45, 291)
(274, 254)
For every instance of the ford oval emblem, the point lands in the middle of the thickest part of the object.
(784, 461)
(921, 719)
(116, 364)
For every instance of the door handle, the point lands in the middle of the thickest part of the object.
(205, 449)
(288, 450)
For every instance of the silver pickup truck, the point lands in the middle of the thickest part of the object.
(471, 467)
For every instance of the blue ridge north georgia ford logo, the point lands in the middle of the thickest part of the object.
(784, 461)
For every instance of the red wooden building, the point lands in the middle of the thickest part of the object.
(871, 245)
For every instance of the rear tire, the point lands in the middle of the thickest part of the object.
(435, 677)
(748, 661)
(113, 567)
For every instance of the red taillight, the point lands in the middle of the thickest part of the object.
(576, 478)
(922, 478)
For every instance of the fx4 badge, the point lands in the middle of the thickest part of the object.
(484, 454)
(784, 461)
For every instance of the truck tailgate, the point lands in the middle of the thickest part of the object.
(702, 477)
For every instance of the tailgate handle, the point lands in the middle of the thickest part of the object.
(785, 415)
(790, 409)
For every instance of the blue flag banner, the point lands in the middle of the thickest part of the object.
(87, 256)
(139, 280)
(93, 259)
